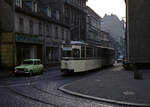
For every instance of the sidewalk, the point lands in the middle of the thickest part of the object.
(5, 73)
(113, 85)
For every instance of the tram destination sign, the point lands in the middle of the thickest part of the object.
(67, 48)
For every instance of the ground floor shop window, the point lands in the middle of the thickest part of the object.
(52, 54)
(27, 52)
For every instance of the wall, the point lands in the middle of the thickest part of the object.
(6, 36)
(6, 18)
(6, 50)
(93, 26)
(138, 24)
(112, 25)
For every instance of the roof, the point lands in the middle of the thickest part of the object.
(90, 9)
(84, 43)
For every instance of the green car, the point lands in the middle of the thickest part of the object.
(30, 67)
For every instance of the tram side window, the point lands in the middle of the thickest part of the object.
(99, 52)
(76, 53)
(95, 52)
(89, 52)
(83, 52)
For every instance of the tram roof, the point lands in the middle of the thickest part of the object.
(83, 43)
(78, 42)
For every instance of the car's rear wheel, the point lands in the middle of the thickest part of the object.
(31, 73)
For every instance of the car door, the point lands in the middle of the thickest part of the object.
(36, 69)
(40, 66)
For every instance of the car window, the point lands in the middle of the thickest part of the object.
(37, 63)
(27, 62)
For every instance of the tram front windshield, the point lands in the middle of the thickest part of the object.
(66, 53)
(71, 53)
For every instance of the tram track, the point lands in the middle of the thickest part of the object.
(33, 99)
(31, 84)
(28, 81)
(75, 101)
(45, 96)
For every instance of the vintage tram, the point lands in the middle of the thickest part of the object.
(79, 57)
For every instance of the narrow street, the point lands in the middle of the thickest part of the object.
(42, 91)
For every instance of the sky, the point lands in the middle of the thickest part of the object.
(102, 7)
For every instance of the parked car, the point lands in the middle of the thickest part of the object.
(30, 67)
(119, 60)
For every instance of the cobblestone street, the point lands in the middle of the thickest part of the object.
(42, 91)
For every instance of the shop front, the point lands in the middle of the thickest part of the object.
(28, 47)
(28, 51)
(6, 50)
(53, 54)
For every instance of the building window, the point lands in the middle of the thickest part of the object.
(49, 13)
(57, 15)
(56, 32)
(19, 3)
(21, 25)
(50, 31)
(47, 30)
(40, 28)
(31, 26)
(34, 6)
(67, 36)
(63, 38)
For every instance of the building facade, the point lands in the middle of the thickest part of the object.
(115, 27)
(106, 39)
(73, 13)
(45, 30)
(39, 27)
(137, 32)
(38, 32)
(6, 33)
(93, 27)
(95, 35)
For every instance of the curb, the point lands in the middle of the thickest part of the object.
(100, 99)
(8, 74)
